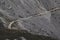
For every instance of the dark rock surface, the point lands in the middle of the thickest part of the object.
(15, 34)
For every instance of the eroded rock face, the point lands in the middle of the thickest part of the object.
(27, 13)
(1, 24)
(55, 19)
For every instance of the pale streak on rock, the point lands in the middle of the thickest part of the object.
(9, 26)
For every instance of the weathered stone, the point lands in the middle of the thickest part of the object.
(26, 16)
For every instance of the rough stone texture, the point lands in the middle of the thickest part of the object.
(26, 12)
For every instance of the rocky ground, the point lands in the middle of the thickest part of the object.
(7, 34)
(37, 17)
